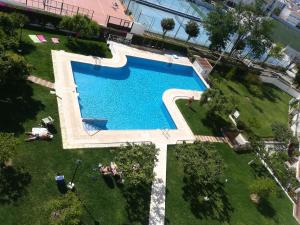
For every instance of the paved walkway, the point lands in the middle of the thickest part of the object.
(40, 81)
(158, 192)
(212, 139)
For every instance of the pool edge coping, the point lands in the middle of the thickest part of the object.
(73, 133)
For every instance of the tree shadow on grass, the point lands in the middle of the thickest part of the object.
(17, 106)
(265, 208)
(27, 47)
(13, 183)
(215, 123)
(109, 181)
(138, 203)
(258, 169)
(269, 93)
(217, 207)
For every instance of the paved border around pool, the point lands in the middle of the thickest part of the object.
(73, 133)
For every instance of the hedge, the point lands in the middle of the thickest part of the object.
(158, 43)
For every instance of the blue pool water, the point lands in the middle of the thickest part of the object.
(130, 97)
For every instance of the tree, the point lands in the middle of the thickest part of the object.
(67, 209)
(167, 24)
(203, 173)
(282, 132)
(297, 77)
(81, 25)
(276, 51)
(250, 23)
(136, 163)
(217, 102)
(202, 164)
(13, 68)
(259, 39)
(192, 30)
(219, 25)
(11, 22)
(262, 188)
(7, 149)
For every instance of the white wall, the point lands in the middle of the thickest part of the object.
(284, 87)
(137, 28)
(200, 70)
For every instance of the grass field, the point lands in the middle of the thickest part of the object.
(39, 55)
(286, 35)
(240, 210)
(24, 193)
(257, 112)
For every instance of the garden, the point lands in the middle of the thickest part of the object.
(28, 169)
(257, 103)
(231, 203)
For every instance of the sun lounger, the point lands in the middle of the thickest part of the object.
(34, 38)
(55, 40)
(48, 121)
(41, 38)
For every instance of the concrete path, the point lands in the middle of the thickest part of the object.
(158, 193)
(40, 81)
(212, 139)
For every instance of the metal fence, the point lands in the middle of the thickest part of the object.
(56, 7)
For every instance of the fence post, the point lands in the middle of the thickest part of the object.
(92, 14)
(62, 5)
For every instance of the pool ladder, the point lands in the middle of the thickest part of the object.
(165, 132)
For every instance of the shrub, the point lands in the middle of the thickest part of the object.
(158, 43)
(241, 125)
(281, 132)
(231, 73)
(82, 25)
(89, 47)
(255, 90)
(263, 187)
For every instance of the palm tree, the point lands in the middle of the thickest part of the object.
(167, 24)
(192, 30)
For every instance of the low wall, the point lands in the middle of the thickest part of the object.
(281, 85)
(285, 23)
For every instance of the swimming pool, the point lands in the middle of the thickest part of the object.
(130, 97)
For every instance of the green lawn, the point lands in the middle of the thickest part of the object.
(39, 55)
(24, 193)
(240, 209)
(257, 112)
(286, 35)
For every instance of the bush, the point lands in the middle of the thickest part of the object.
(277, 11)
(255, 90)
(251, 78)
(158, 43)
(241, 125)
(231, 73)
(281, 132)
(263, 187)
(89, 47)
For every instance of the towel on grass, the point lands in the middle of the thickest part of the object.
(41, 38)
(34, 38)
(55, 40)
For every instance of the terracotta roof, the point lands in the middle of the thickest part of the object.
(204, 63)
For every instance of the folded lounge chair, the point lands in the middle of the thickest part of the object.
(55, 40)
(34, 38)
(41, 38)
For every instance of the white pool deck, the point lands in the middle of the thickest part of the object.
(75, 136)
